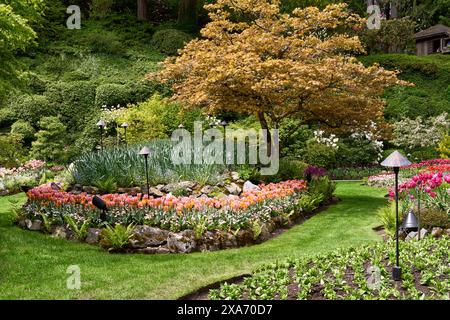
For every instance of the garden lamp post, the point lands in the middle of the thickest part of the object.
(125, 127)
(180, 126)
(101, 125)
(395, 161)
(145, 151)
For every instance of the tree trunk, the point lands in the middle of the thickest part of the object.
(187, 12)
(142, 10)
(265, 126)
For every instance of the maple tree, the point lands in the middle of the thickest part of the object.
(254, 59)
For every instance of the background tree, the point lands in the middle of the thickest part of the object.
(50, 140)
(255, 60)
(187, 12)
(142, 10)
(16, 34)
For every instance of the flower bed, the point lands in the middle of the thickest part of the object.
(195, 221)
(353, 274)
(27, 175)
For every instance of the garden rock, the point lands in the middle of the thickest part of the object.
(90, 190)
(155, 192)
(93, 235)
(209, 242)
(207, 189)
(423, 233)
(248, 186)
(233, 189)
(181, 243)
(265, 234)
(447, 231)
(146, 236)
(234, 176)
(436, 232)
(244, 237)
(411, 235)
(59, 232)
(153, 250)
(36, 225)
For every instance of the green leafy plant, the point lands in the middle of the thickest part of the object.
(256, 228)
(107, 185)
(117, 238)
(80, 230)
(386, 215)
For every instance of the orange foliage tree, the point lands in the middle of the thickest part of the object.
(254, 59)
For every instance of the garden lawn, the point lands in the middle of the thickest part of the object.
(33, 265)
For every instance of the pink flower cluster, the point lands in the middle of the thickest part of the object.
(30, 165)
(424, 181)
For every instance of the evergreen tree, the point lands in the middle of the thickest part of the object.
(50, 140)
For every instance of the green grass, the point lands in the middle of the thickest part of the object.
(33, 265)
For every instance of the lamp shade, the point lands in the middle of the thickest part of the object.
(145, 151)
(223, 123)
(181, 126)
(395, 160)
(124, 125)
(101, 124)
(410, 223)
(99, 203)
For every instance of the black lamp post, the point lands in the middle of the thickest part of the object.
(395, 161)
(125, 127)
(101, 125)
(145, 151)
(100, 204)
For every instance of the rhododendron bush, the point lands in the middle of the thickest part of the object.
(169, 212)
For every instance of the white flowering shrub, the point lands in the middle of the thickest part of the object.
(331, 141)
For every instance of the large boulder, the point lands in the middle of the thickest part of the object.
(244, 237)
(207, 189)
(248, 186)
(146, 236)
(209, 242)
(183, 242)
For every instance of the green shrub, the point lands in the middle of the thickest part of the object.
(107, 185)
(319, 155)
(168, 41)
(12, 152)
(289, 169)
(430, 218)
(74, 102)
(50, 140)
(444, 147)
(357, 151)
(7, 117)
(31, 108)
(386, 215)
(116, 238)
(111, 94)
(23, 128)
(310, 202)
(102, 42)
(155, 118)
(322, 186)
